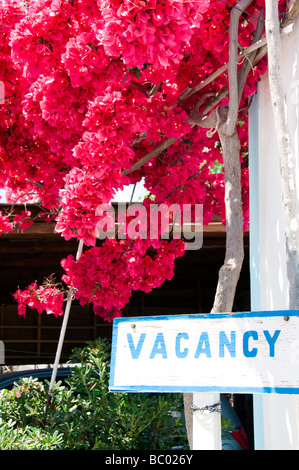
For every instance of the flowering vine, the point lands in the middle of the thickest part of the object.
(91, 88)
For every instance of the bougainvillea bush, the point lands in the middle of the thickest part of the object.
(91, 87)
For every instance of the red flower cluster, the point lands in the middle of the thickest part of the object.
(143, 264)
(150, 32)
(5, 224)
(23, 220)
(48, 299)
(82, 194)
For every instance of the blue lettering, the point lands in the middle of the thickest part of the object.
(135, 352)
(159, 347)
(246, 336)
(203, 346)
(224, 341)
(179, 353)
(271, 340)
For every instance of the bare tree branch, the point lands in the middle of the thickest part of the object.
(233, 66)
(230, 271)
(248, 65)
(292, 13)
(191, 90)
(151, 155)
(257, 45)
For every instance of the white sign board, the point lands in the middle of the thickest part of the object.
(256, 352)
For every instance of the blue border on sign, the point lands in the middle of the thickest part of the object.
(194, 389)
(220, 389)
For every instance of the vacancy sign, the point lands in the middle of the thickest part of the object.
(256, 352)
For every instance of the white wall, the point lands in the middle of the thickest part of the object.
(275, 415)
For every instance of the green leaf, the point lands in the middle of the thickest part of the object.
(217, 167)
(136, 72)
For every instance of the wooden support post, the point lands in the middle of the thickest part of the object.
(62, 331)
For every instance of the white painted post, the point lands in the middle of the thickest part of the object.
(63, 330)
(275, 426)
(206, 421)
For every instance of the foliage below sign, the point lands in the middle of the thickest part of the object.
(256, 352)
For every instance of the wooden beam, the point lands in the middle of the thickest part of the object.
(42, 229)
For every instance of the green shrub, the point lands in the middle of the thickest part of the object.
(85, 414)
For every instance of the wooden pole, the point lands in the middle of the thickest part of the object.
(62, 331)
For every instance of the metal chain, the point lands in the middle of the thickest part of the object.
(210, 408)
